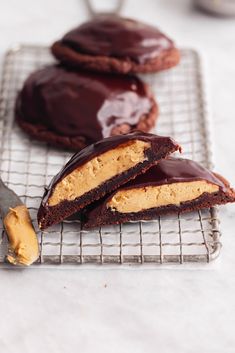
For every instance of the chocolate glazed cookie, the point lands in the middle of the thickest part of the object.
(173, 185)
(116, 44)
(73, 109)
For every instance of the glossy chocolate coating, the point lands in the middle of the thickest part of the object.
(175, 170)
(82, 103)
(96, 149)
(118, 37)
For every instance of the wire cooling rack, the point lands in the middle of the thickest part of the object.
(27, 165)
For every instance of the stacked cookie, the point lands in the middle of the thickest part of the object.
(92, 93)
(129, 177)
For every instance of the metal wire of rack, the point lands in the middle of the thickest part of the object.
(27, 165)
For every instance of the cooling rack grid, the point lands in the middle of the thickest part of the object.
(27, 165)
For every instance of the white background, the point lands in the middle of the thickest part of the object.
(167, 310)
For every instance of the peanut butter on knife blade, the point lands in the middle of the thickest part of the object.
(23, 244)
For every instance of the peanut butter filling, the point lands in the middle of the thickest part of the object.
(23, 242)
(98, 170)
(139, 199)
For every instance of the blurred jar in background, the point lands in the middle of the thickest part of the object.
(217, 7)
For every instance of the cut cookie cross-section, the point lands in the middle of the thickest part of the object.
(99, 169)
(173, 185)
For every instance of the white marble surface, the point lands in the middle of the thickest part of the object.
(179, 309)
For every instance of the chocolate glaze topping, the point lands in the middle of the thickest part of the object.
(82, 103)
(104, 145)
(118, 37)
(175, 170)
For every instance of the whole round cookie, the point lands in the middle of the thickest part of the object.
(116, 44)
(74, 109)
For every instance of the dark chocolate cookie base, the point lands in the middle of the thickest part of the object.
(96, 218)
(42, 133)
(49, 215)
(167, 59)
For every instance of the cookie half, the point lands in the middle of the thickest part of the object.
(172, 186)
(74, 109)
(98, 170)
(116, 44)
